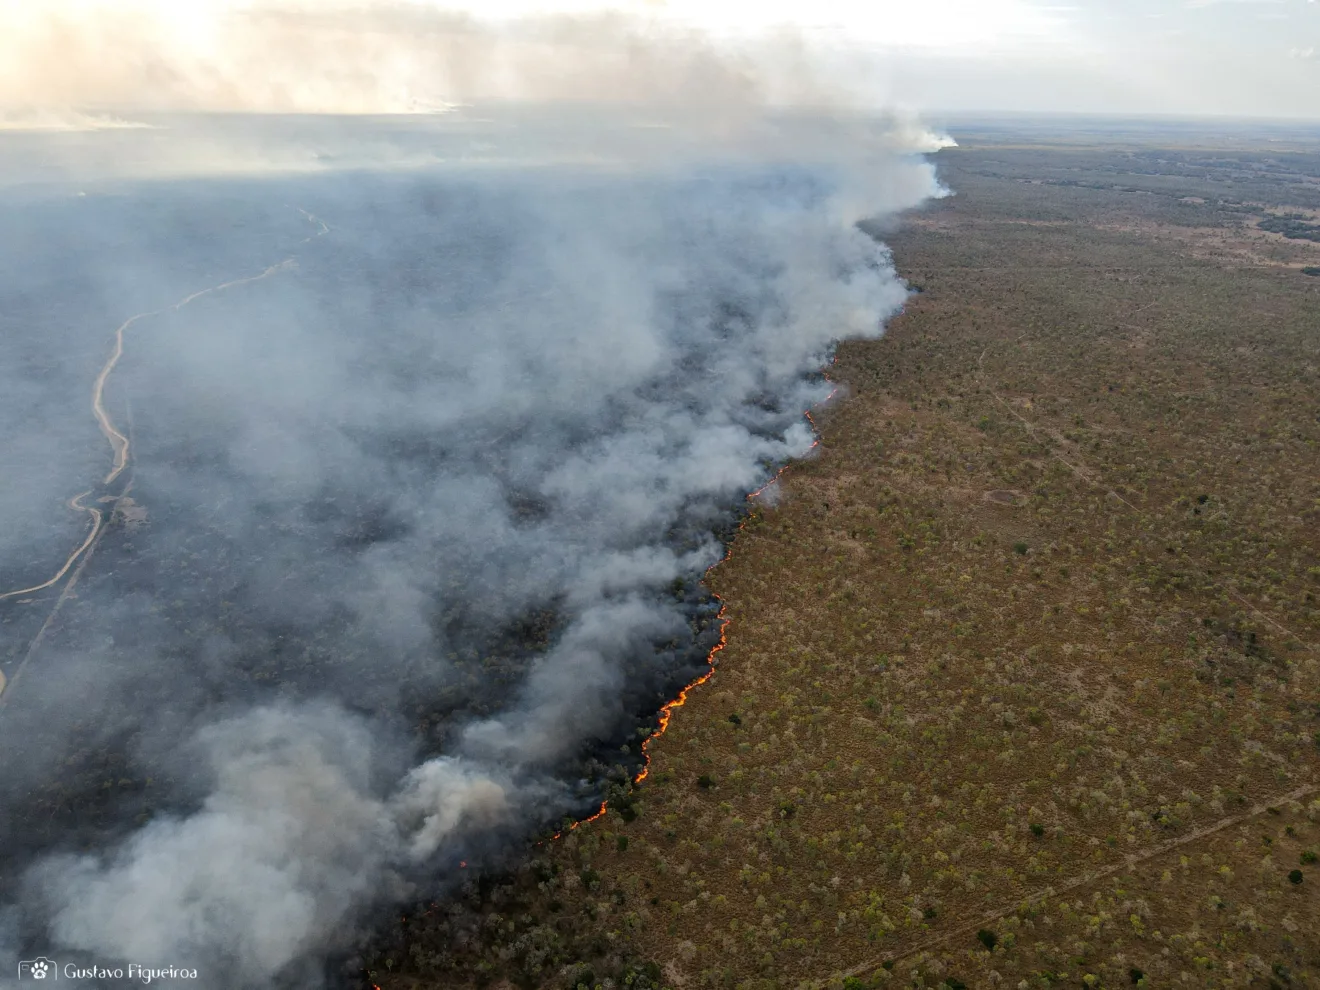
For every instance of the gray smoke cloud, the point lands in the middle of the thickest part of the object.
(69, 65)
(419, 494)
(289, 844)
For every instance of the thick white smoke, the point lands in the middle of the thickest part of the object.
(631, 354)
(292, 841)
(287, 844)
(59, 58)
(527, 374)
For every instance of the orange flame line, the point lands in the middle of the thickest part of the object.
(667, 710)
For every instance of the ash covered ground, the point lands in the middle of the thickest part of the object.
(405, 552)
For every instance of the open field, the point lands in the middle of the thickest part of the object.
(1022, 678)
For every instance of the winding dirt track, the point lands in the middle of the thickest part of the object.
(83, 555)
(97, 519)
(120, 443)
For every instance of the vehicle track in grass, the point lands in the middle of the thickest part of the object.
(120, 447)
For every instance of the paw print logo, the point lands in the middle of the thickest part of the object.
(38, 969)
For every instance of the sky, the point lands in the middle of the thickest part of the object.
(1256, 58)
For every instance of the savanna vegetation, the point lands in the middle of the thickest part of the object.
(1022, 677)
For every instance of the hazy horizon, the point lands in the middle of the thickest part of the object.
(1233, 58)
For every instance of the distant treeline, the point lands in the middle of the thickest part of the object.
(1291, 226)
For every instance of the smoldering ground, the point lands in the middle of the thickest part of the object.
(419, 510)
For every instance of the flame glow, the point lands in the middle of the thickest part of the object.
(667, 710)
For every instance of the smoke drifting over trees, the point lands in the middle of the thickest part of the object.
(413, 525)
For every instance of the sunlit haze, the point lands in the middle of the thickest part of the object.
(1222, 57)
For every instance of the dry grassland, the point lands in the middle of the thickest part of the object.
(1030, 650)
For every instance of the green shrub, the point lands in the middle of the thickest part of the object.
(1295, 876)
(642, 976)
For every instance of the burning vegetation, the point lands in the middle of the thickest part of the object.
(1020, 685)
(426, 471)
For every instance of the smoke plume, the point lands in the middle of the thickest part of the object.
(388, 56)
(431, 426)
